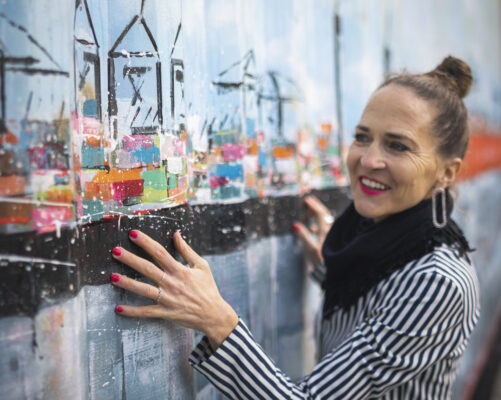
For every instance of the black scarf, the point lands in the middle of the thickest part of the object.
(359, 253)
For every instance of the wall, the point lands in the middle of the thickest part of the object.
(211, 117)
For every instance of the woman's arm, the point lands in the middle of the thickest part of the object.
(406, 334)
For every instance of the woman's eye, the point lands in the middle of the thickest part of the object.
(398, 146)
(361, 137)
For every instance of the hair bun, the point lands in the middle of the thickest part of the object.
(456, 73)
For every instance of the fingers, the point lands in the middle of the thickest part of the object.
(154, 249)
(140, 288)
(314, 229)
(305, 235)
(154, 311)
(315, 205)
(188, 253)
(141, 265)
(321, 212)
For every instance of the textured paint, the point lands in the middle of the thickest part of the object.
(92, 157)
(12, 185)
(477, 212)
(232, 152)
(47, 216)
(113, 112)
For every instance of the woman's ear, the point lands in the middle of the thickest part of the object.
(450, 171)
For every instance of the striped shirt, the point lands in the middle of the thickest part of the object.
(402, 340)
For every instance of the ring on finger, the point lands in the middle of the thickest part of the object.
(161, 279)
(328, 219)
(159, 294)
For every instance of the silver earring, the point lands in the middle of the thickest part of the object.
(437, 192)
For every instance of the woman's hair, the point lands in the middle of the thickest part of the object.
(444, 88)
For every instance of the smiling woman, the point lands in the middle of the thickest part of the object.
(401, 294)
(393, 161)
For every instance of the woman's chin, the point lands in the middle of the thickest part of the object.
(369, 211)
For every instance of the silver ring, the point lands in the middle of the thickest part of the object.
(161, 279)
(159, 294)
(328, 219)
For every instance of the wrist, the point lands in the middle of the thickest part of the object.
(222, 326)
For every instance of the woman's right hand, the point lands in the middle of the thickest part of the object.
(186, 296)
(313, 236)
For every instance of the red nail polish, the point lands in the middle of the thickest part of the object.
(296, 227)
(117, 252)
(119, 309)
(115, 277)
(133, 234)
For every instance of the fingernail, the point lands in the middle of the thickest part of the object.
(119, 309)
(296, 226)
(133, 234)
(115, 277)
(117, 252)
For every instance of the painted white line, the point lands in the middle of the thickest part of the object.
(31, 260)
(132, 216)
(35, 202)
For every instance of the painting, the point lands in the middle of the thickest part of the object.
(127, 137)
(215, 118)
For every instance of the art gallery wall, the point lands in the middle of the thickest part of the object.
(213, 118)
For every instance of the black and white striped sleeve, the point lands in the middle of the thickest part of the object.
(318, 272)
(418, 325)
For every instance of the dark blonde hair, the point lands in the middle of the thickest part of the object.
(444, 88)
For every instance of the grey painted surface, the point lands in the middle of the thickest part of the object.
(81, 349)
(264, 283)
(478, 212)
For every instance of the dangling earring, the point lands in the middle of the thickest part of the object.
(438, 191)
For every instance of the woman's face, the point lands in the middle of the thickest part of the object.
(393, 161)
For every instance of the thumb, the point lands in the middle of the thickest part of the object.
(190, 255)
(305, 236)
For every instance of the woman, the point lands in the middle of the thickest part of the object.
(400, 291)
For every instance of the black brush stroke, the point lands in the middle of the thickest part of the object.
(174, 62)
(208, 228)
(148, 114)
(159, 93)
(28, 105)
(90, 23)
(135, 115)
(84, 42)
(20, 60)
(175, 40)
(122, 35)
(41, 71)
(95, 60)
(150, 35)
(30, 38)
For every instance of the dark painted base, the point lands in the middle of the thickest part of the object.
(40, 269)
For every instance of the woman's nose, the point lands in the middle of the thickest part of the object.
(372, 158)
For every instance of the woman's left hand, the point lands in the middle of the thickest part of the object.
(313, 237)
(187, 296)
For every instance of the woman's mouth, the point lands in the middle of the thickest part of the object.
(371, 187)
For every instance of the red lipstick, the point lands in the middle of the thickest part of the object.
(370, 192)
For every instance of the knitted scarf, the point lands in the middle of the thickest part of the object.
(359, 253)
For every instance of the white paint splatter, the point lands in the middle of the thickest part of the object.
(12, 258)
